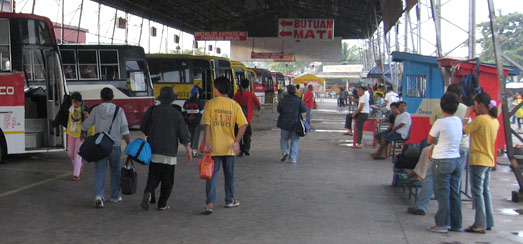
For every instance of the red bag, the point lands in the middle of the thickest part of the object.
(206, 165)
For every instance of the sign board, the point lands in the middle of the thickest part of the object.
(351, 68)
(220, 35)
(276, 57)
(311, 29)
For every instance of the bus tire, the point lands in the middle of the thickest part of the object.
(3, 148)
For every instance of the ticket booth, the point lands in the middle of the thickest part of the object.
(422, 88)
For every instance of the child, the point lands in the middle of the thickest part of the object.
(193, 109)
(77, 114)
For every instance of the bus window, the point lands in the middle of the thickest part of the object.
(69, 64)
(202, 72)
(87, 62)
(34, 65)
(109, 65)
(136, 75)
(5, 47)
(36, 32)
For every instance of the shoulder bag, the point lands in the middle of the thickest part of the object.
(98, 146)
(302, 126)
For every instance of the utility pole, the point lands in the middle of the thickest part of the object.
(62, 31)
(79, 21)
(436, 14)
(114, 26)
(140, 37)
(418, 18)
(406, 31)
(33, 9)
(149, 41)
(472, 29)
(98, 24)
(126, 27)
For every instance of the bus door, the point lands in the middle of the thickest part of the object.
(223, 68)
(202, 76)
(43, 89)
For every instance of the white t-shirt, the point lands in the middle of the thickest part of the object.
(448, 131)
(391, 97)
(403, 118)
(365, 100)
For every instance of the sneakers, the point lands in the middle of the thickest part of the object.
(416, 211)
(284, 157)
(98, 202)
(194, 153)
(208, 209)
(233, 204)
(119, 199)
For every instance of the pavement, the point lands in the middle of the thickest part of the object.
(335, 194)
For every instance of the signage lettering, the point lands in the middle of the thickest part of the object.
(220, 35)
(7, 90)
(312, 29)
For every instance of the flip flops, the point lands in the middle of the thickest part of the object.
(475, 230)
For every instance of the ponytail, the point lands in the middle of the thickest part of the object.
(485, 99)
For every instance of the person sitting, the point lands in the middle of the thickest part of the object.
(390, 120)
(378, 105)
(400, 131)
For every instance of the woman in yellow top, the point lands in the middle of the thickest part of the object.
(77, 114)
(483, 131)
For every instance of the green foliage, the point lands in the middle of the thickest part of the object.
(351, 54)
(510, 36)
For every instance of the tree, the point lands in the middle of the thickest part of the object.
(351, 55)
(510, 37)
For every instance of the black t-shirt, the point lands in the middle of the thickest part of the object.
(391, 119)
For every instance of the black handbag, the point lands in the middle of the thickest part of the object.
(98, 146)
(129, 178)
(301, 125)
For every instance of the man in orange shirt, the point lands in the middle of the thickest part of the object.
(308, 98)
(248, 101)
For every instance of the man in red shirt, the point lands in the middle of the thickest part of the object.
(248, 101)
(308, 98)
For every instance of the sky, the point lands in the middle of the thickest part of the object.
(453, 11)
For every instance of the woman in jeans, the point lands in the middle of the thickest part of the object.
(483, 131)
(447, 167)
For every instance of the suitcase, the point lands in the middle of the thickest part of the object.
(129, 178)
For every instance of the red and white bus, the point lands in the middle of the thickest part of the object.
(264, 85)
(32, 85)
(90, 68)
(279, 80)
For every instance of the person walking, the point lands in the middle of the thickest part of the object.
(77, 114)
(290, 108)
(193, 109)
(483, 131)
(101, 117)
(220, 116)
(249, 102)
(164, 126)
(308, 98)
(361, 115)
(447, 167)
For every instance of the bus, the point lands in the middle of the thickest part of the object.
(279, 80)
(264, 85)
(32, 85)
(90, 68)
(241, 72)
(183, 72)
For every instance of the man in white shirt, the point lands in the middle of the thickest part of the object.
(400, 131)
(361, 115)
(390, 97)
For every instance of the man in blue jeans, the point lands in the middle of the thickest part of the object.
(108, 117)
(220, 116)
(290, 108)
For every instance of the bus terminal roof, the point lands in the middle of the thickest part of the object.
(354, 19)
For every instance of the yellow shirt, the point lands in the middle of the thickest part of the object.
(74, 124)
(298, 92)
(483, 131)
(222, 114)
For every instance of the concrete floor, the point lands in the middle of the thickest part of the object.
(334, 194)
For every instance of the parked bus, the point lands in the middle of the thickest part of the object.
(264, 85)
(32, 85)
(241, 72)
(90, 68)
(182, 72)
(279, 80)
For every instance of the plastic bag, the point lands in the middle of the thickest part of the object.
(206, 165)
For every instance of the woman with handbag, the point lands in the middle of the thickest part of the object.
(290, 109)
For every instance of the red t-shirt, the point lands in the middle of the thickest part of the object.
(308, 98)
(248, 99)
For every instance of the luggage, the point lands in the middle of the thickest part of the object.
(129, 178)
(139, 150)
(98, 146)
(409, 156)
(206, 165)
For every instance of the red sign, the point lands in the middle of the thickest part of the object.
(259, 88)
(220, 35)
(12, 90)
(313, 29)
(277, 57)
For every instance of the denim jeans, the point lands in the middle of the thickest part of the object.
(295, 144)
(479, 184)
(194, 131)
(99, 174)
(228, 173)
(423, 199)
(447, 178)
(308, 114)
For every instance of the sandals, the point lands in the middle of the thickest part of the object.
(233, 204)
(472, 229)
(165, 208)
(208, 209)
(76, 178)
(438, 229)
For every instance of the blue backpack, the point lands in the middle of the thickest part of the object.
(139, 150)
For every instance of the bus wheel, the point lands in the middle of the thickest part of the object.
(3, 151)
